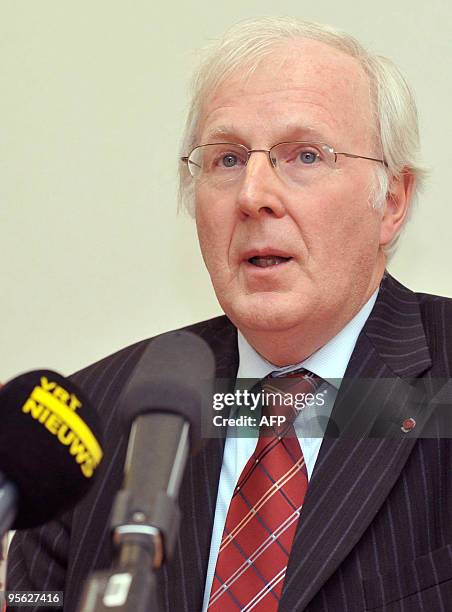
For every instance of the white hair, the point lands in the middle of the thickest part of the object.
(394, 108)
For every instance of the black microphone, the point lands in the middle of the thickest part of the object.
(49, 448)
(162, 406)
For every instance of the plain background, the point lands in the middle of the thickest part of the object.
(93, 96)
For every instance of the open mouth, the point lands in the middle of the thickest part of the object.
(268, 260)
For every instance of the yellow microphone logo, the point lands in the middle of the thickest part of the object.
(56, 409)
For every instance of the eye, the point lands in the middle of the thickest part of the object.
(308, 157)
(229, 160)
(226, 159)
(299, 154)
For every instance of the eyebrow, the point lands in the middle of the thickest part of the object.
(221, 132)
(224, 133)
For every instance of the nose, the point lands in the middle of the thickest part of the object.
(261, 190)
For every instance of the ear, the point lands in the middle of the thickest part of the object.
(397, 204)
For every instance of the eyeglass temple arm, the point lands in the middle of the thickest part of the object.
(381, 161)
(186, 160)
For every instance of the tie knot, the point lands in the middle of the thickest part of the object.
(284, 395)
(295, 381)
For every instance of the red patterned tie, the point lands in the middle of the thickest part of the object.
(263, 513)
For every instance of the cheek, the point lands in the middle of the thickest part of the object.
(214, 226)
(343, 225)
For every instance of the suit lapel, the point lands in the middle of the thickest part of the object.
(197, 499)
(355, 472)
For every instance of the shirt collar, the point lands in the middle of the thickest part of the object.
(329, 362)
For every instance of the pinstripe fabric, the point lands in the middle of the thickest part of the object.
(376, 529)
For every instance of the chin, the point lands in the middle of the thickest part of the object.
(263, 312)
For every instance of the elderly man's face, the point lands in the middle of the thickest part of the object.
(328, 230)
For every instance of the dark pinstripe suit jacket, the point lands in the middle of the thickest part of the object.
(376, 527)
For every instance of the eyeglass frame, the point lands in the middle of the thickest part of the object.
(185, 158)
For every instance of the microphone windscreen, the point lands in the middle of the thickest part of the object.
(175, 375)
(49, 444)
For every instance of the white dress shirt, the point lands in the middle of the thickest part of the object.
(328, 362)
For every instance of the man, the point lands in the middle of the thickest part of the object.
(295, 216)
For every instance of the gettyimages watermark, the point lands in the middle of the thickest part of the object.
(248, 408)
(358, 408)
(267, 399)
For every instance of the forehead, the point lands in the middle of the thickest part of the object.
(304, 82)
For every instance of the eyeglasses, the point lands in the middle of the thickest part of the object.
(299, 161)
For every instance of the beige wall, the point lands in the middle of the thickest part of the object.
(92, 254)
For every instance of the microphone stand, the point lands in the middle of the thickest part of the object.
(144, 525)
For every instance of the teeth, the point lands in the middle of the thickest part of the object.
(268, 260)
